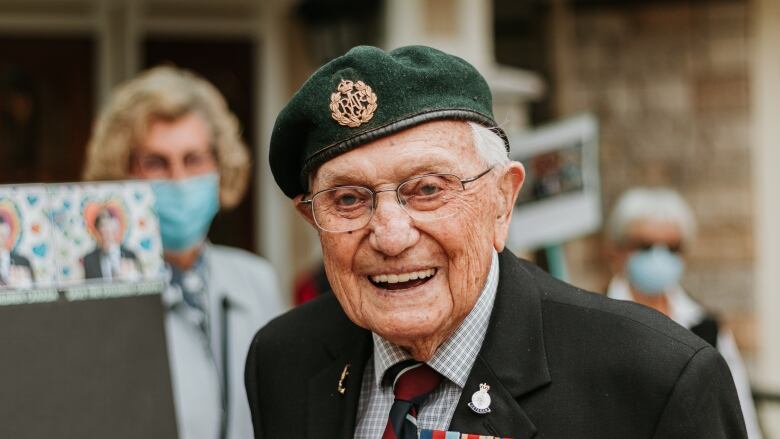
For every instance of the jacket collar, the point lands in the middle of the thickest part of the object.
(513, 360)
(220, 283)
(682, 308)
(331, 413)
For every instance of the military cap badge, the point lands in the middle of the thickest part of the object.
(353, 104)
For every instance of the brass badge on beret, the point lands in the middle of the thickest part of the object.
(353, 104)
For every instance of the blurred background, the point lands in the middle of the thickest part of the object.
(685, 94)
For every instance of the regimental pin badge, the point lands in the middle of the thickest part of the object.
(480, 400)
(341, 388)
(353, 104)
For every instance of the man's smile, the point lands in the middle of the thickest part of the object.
(402, 281)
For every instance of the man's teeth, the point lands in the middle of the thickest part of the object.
(403, 277)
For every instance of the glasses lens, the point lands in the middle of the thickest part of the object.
(343, 209)
(674, 247)
(431, 196)
(199, 162)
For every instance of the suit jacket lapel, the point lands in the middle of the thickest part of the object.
(512, 359)
(330, 413)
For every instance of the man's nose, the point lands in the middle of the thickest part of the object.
(392, 229)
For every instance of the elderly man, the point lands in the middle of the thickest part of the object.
(434, 329)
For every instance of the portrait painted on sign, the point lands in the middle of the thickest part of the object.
(105, 232)
(25, 253)
(110, 259)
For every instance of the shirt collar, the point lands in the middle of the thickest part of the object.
(682, 308)
(5, 262)
(181, 282)
(183, 278)
(455, 357)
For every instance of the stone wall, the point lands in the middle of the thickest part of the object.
(669, 83)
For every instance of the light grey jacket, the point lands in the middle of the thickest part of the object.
(242, 291)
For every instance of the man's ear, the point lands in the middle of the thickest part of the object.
(509, 184)
(304, 209)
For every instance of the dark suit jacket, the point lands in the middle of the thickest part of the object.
(91, 261)
(561, 363)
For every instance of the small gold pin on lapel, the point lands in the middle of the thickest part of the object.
(344, 374)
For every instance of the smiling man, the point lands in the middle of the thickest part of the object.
(434, 329)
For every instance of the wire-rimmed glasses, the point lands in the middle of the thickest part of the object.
(424, 197)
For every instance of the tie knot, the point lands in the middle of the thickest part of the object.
(412, 381)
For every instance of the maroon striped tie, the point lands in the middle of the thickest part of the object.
(412, 383)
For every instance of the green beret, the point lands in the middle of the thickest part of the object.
(368, 94)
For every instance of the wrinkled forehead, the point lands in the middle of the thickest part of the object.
(436, 147)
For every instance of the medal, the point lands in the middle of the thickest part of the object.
(480, 400)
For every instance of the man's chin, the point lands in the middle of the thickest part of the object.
(414, 336)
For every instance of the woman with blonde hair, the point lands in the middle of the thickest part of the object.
(170, 126)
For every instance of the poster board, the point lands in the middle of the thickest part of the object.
(63, 237)
(81, 321)
(561, 197)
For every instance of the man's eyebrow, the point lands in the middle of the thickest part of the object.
(438, 165)
(331, 179)
(432, 167)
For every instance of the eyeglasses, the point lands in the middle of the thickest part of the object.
(674, 247)
(424, 197)
(152, 165)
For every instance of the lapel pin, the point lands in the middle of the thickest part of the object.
(480, 400)
(344, 374)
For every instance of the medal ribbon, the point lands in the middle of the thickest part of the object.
(441, 434)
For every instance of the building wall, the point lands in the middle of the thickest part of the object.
(765, 98)
(670, 84)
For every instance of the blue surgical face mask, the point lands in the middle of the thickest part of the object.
(652, 271)
(186, 208)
